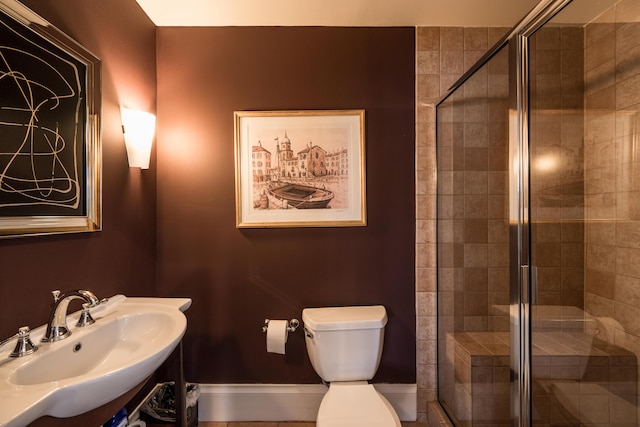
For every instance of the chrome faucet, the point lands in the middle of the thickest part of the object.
(57, 327)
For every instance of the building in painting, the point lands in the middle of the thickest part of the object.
(260, 163)
(312, 161)
(337, 163)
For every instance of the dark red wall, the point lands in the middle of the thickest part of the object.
(237, 278)
(121, 258)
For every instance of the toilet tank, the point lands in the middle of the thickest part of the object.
(345, 343)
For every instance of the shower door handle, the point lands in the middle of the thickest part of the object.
(529, 283)
(534, 285)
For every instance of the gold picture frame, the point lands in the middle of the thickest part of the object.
(300, 168)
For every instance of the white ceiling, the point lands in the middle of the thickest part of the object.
(352, 13)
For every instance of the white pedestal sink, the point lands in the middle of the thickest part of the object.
(96, 364)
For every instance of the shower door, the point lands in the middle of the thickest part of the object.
(473, 246)
(582, 116)
(539, 223)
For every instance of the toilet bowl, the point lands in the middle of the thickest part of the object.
(355, 403)
(345, 346)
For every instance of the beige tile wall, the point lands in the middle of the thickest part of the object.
(612, 175)
(443, 54)
(557, 165)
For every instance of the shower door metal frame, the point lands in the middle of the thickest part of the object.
(521, 297)
(519, 228)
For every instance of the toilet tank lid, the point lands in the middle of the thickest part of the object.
(345, 318)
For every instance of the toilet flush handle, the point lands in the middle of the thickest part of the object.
(308, 333)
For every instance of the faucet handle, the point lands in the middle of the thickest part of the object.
(85, 318)
(24, 346)
(56, 295)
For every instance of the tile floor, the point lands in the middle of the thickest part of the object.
(286, 424)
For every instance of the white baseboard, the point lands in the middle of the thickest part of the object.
(286, 402)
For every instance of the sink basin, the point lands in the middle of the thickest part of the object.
(95, 365)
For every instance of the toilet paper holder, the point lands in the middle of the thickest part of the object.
(292, 325)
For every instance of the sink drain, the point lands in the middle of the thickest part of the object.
(77, 347)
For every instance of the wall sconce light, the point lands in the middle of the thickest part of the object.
(138, 128)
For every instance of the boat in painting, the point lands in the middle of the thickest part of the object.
(301, 196)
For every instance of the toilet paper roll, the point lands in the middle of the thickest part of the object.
(277, 336)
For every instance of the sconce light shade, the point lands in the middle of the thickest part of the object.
(139, 128)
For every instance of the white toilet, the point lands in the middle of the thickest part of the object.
(345, 346)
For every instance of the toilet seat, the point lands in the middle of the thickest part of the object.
(355, 404)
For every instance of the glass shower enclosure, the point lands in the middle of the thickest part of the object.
(539, 223)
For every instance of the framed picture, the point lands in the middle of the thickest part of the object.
(300, 168)
(50, 155)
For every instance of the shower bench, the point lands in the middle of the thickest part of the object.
(573, 373)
